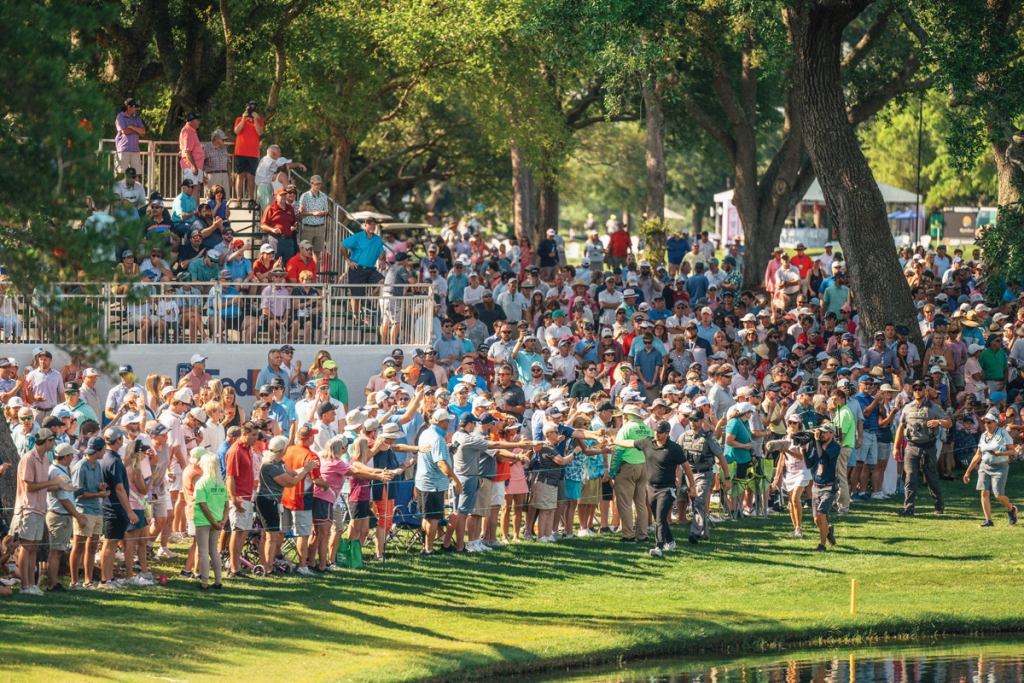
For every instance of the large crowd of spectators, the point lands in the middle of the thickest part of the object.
(604, 399)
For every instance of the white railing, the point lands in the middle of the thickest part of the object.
(161, 165)
(337, 225)
(164, 313)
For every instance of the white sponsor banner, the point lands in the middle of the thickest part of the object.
(234, 365)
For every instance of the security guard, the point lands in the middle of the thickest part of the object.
(702, 452)
(919, 424)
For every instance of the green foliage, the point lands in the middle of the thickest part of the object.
(1003, 245)
(652, 232)
(50, 117)
(890, 144)
(606, 173)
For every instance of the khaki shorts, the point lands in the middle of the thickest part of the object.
(483, 498)
(93, 526)
(299, 521)
(28, 525)
(339, 515)
(497, 493)
(241, 521)
(591, 493)
(122, 160)
(60, 527)
(317, 234)
(545, 496)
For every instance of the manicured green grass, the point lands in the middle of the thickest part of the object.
(527, 606)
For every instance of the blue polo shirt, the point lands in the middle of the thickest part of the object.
(114, 473)
(364, 250)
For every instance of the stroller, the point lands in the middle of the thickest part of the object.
(250, 557)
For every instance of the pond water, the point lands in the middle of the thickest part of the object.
(962, 662)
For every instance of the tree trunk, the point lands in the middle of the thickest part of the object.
(340, 170)
(851, 193)
(8, 482)
(524, 213)
(655, 120)
(547, 206)
(697, 213)
(1009, 174)
(229, 46)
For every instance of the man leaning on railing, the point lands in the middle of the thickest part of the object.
(363, 250)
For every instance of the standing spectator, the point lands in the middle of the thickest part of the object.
(620, 245)
(547, 250)
(126, 142)
(30, 505)
(278, 221)
(312, 211)
(248, 129)
(363, 250)
(209, 513)
(193, 157)
(44, 386)
(270, 165)
(217, 159)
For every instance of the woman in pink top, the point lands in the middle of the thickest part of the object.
(333, 470)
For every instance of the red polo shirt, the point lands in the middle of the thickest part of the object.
(296, 266)
(276, 217)
(619, 244)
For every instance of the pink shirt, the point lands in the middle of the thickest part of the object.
(188, 140)
(35, 469)
(333, 472)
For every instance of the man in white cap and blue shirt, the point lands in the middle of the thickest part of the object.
(117, 394)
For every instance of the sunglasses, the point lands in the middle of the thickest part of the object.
(27, 418)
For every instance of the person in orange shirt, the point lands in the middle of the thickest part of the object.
(802, 260)
(298, 500)
(248, 130)
(302, 262)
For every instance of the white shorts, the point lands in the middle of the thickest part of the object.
(196, 177)
(174, 469)
(162, 505)
(497, 493)
(135, 319)
(241, 521)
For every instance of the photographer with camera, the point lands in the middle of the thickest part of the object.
(248, 130)
(823, 460)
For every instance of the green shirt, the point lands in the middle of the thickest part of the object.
(847, 424)
(993, 364)
(633, 430)
(215, 495)
(835, 297)
(339, 392)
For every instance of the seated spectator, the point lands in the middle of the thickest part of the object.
(276, 305)
(204, 268)
(155, 267)
(166, 316)
(303, 262)
(235, 261)
(128, 190)
(208, 225)
(127, 269)
(227, 310)
(190, 250)
(265, 263)
(219, 203)
(183, 211)
(306, 317)
(189, 300)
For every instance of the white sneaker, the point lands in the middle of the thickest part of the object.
(165, 553)
(334, 568)
(877, 495)
(77, 586)
(119, 555)
(651, 529)
(111, 585)
(798, 533)
(473, 547)
(656, 552)
(140, 581)
(305, 571)
(31, 590)
(715, 518)
(545, 539)
(670, 546)
(583, 533)
(121, 583)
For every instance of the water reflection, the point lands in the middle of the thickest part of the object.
(896, 668)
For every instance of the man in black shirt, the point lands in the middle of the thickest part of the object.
(664, 457)
(508, 396)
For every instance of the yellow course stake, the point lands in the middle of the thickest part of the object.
(853, 596)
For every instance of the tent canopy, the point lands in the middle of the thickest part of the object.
(890, 195)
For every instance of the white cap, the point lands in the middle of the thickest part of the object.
(278, 444)
(130, 418)
(197, 358)
(183, 395)
(585, 261)
(794, 418)
(701, 402)
(266, 249)
(550, 232)
(585, 408)
(482, 402)
(934, 368)
(829, 244)
(441, 415)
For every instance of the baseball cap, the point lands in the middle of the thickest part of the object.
(197, 358)
(157, 429)
(467, 418)
(111, 434)
(95, 445)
